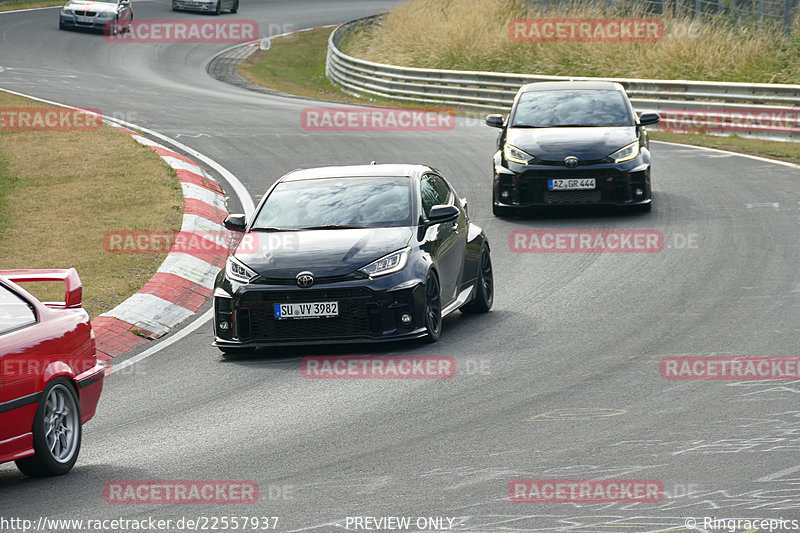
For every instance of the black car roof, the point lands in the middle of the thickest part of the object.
(352, 171)
(567, 85)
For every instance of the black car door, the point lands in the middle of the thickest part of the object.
(446, 242)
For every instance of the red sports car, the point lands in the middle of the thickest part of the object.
(50, 378)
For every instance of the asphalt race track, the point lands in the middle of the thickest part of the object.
(560, 380)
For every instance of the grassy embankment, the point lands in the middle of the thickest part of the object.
(61, 191)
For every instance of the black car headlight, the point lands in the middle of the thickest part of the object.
(626, 153)
(515, 155)
(388, 264)
(238, 271)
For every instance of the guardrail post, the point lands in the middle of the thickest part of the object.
(787, 16)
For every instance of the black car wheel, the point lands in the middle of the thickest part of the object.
(235, 7)
(484, 287)
(56, 432)
(433, 308)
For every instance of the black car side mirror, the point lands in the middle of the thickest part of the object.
(649, 118)
(442, 213)
(495, 121)
(235, 222)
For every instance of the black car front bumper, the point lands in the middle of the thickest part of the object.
(616, 184)
(244, 315)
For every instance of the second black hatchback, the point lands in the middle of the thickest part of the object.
(571, 143)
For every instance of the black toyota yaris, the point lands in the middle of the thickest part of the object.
(571, 143)
(351, 254)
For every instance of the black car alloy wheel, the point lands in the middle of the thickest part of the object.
(433, 308)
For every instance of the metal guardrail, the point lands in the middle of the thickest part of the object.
(751, 109)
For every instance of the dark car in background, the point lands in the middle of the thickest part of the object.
(571, 143)
(351, 254)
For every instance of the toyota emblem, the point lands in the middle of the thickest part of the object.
(305, 280)
(571, 161)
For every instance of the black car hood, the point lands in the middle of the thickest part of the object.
(335, 252)
(554, 144)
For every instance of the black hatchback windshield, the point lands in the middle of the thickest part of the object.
(333, 203)
(553, 109)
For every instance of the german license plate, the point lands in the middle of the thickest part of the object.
(307, 310)
(571, 184)
(84, 19)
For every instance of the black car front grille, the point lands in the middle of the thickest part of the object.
(572, 197)
(353, 321)
(86, 13)
(359, 315)
(610, 187)
(306, 295)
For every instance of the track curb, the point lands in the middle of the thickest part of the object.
(184, 282)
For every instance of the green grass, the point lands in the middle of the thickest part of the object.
(55, 208)
(785, 151)
(474, 35)
(11, 5)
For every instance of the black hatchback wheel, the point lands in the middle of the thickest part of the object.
(433, 308)
(484, 286)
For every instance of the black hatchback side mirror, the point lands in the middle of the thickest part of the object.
(495, 121)
(649, 118)
(442, 213)
(235, 222)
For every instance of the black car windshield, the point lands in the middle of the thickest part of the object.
(571, 108)
(333, 203)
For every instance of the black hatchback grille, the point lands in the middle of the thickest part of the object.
(572, 197)
(359, 315)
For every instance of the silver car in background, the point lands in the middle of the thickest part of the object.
(108, 16)
(207, 6)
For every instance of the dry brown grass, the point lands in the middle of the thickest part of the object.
(473, 35)
(64, 190)
(10, 5)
